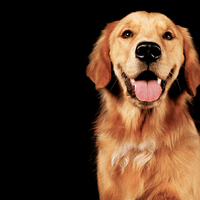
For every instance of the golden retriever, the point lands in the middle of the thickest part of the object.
(146, 70)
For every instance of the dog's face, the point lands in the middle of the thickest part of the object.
(147, 51)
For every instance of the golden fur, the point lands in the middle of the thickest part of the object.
(146, 150)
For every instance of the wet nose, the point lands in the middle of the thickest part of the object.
(148, 52)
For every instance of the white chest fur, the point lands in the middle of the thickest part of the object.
(138, 156)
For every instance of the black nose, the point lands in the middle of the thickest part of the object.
(148, 52)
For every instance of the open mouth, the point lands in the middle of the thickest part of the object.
(146, 87)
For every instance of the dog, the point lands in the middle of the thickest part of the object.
(148, 148)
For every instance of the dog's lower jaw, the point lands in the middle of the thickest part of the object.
(141, 104)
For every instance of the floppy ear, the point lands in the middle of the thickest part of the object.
(99, 68)
(192, 65)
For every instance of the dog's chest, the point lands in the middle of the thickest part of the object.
(130, 154)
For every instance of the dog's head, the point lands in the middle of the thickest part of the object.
(147, 52)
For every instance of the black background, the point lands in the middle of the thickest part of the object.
(83, 31)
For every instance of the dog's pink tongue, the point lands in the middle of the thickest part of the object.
(148, 90)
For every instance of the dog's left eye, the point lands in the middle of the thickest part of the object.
(168, 36)
(127, 34)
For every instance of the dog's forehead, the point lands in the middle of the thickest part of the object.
(145, 19)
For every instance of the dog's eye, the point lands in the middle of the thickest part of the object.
(127, 34)
(168, 36)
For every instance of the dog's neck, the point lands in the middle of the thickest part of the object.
(133, 135)
(138, 125)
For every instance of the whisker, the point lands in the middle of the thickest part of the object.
(179, 87)
(115, 81)
(185, 68)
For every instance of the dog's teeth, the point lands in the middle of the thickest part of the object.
(159, 81)
(132, 81)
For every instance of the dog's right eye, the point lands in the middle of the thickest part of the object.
(127, 34)
(168, 36)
